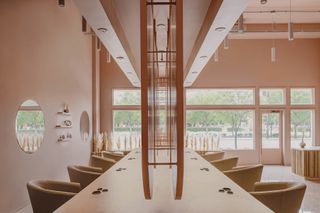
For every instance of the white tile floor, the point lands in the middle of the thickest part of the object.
(311, 201)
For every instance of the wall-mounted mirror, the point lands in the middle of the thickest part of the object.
(84, 126)
(30, 126)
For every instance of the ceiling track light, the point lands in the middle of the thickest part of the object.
(61, 3)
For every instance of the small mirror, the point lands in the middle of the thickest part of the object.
(30, 126)
(84, 126)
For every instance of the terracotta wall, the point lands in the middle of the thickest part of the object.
(111, 77)
(43, 56)
(247, 63)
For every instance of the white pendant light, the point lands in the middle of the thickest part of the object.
(273, 54)
(216, 56)
(109, 58)
(273, 48)
(290, 27)
(226, 43)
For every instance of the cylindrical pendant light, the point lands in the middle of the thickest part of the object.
(290, 27)
(226, 43)
(216, 56)
(273, 54)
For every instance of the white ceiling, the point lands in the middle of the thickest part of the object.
(128, 13)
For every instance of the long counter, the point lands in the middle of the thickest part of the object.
(200, 192)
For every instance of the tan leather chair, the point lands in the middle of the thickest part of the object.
(225, 164)
(213, 156)
(112, 155)
(48, 195)
(101, 162)
(245, 177)
(280, 197)
(83, 174)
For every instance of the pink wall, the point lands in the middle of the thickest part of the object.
(247, 63)
(43, 56)
(111, 77)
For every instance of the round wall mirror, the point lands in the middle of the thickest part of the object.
(84, 126)
(30, 126)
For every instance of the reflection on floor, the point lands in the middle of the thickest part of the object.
(311, 199)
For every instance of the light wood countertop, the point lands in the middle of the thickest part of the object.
(200, 193)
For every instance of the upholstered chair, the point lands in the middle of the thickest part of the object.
(225, 164)
(245, 177)
(48, 195)
(280, 197)
(101, 162)
(112, 155)
(212, 156)
(83, 174)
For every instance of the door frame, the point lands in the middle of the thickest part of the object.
(281, 113)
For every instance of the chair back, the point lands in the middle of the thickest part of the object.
(225, 164)
(246, 177)
(213, 156)
(83, 174)
(280, 197)
(113, 156)
(101, 162)
(47, 195)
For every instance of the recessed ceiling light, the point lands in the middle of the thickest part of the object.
(161, 25)
(102, 29)
(203, 56)
(263, 1)
(188, 82)
(194, 72)
(120, 57)
(220, 29)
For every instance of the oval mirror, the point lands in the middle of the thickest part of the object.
(84, 126)
(30, 126)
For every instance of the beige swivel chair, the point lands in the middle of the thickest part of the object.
(280, 197)
(83, 174)
(48, 195)
(225, 164)
(245, 177)
(112, 155)
(212, 156)
(101, 162)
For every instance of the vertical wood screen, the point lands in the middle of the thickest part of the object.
(162, 91)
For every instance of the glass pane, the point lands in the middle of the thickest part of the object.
(271, 130)
(126, 97)
(220, 96)
(126, 129)
(30, 127)
(272, 96)
(220, 129)
(302, 96)
(301, 127)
